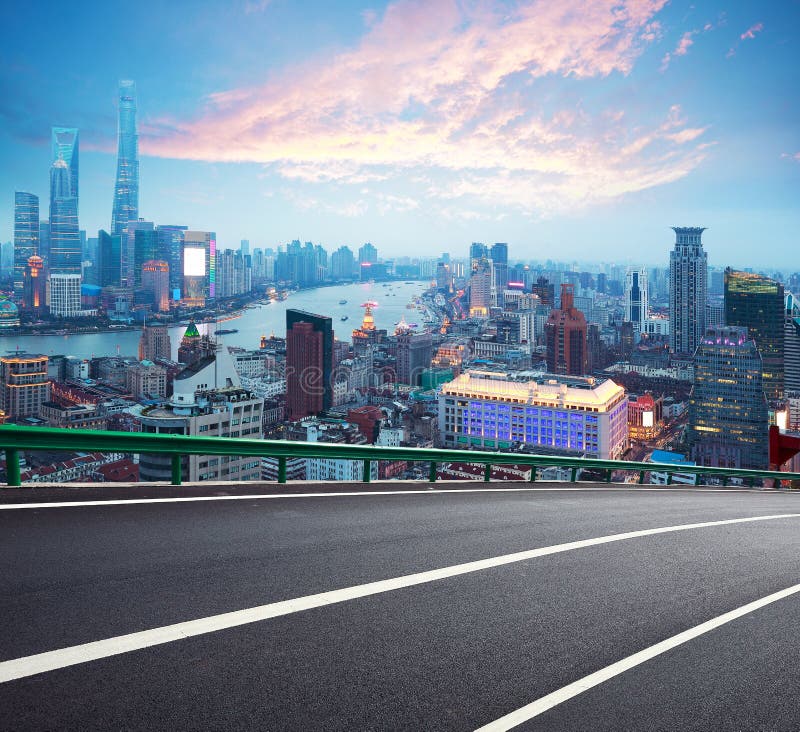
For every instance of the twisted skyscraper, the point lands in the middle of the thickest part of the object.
(126, 188)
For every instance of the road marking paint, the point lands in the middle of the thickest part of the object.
(534, 709)
(51, 660)
(429, 491)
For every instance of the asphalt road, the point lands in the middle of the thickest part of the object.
(454, 653)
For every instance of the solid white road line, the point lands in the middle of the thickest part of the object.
(428, 491)
(51, 660)
(534, 709)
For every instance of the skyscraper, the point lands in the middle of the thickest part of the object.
(145, 248)
(170, 247)
(126, 187)
(565, 335)
(26, 234)
(309, 364)
(728, 418)
(34, 287)
(155, 343)
(199, 267)
(367, 254)
(757, 303)
(480, 288)
(636, 303)
(109, 249)
(688, 274)
(64, 146)
(155, 280)
(65, 238)
(414, 351)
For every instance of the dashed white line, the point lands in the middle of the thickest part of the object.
(51, 660)
(534, 709)
(340, 494)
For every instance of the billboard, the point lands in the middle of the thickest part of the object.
(194, 261)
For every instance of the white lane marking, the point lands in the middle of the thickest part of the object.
(429, 491)
(51, 660)
(534, 709)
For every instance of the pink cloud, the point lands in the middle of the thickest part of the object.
(445, 85)
(684, 44)
(791, 156)
(751, 31)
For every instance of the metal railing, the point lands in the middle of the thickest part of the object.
(14, 439)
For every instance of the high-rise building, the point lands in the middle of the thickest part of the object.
(367, 254)
(128, 275)
(65, 239)
(126, 187)
(791, 351)
(23, 385)
(546, 291)
(199, 267)
(65, 146)
(486, 409)
(155, 280)
(477, 250)
(65, 295)
(245, 247)
(170, 247)
(44, 241)
(26, 234)
(688, 290)
(565, 335)
(480, 288)
(109, 248)
(728, 416)
(499, 257)
(636, 303)
(414, 352)
(34, 287)
(342, 264)
(309, 364)
(757, 303)
(145, 249)
(155, 343)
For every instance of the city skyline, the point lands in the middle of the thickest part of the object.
(525, 126)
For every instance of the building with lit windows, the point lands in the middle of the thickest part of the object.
(480, 288)
(155, 280)
(34, 287)
(565, 336)
(688, 290)
(728, 416)
(636, 302)
(65, 240)
(309, 364)
(199, 267)
(757, 303)
(496, 410)
(26, 235)
(645, 415)
(23, 385)
(65, 295)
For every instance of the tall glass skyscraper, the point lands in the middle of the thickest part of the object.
(126, 188)
(688, 290)
(65, 147)
(728, 417)
(26, 235)
(757, 303)
(65, 238)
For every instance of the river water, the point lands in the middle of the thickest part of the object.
(252, 324)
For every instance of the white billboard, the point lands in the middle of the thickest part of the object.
(647, 419)
(194, 261)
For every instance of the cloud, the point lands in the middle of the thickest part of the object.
(684, 44)
(749, 34)
(255, 6)
(791, 156)
(447, 90)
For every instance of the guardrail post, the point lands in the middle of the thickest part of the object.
(13, 477)
(432, 472)
(573, 476)
(751, 481)
(366, 476)
(487, 472)
(282, 469)
(641, 477)
(725, 481)
(609, 473)
(697, 478)
(177, 477)
(669, 478)
(533, 473)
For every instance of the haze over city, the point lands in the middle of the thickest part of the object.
(573, 130)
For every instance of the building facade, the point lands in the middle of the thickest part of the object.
(24, 385)
(565, 336)
(309, 364)
(496, 410)
(126, 186)
(155, 281)
(65, 295)
(637, 307)
(26, 235)
(688, 290)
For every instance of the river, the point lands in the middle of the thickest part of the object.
(251, 324)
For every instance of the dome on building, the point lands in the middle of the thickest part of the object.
(9, 314)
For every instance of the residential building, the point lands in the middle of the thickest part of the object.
(728, 417)
(24, 385)
(309, 364)
(74, 416)
(65, 295)
(414, 352)
(688, 290)
(146, 380)
(496, 410)
(565, 336)
(480, 288)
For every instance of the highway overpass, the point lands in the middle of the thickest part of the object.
(546, 607)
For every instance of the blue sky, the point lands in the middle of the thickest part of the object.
(579, 130)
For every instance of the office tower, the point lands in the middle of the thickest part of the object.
(23, 385)
(444, 277)
(484, 409)
(44, 241)
(65, 146)
(480, 288)
(199, 267)
(110, 258)
(26, 234)
(367, 254)
(245, 247)
(757, 303)
(155, 343)
(155, 280)
(688, 272)
(145, 249)
(65, 239)
(715, 313)
(499, 256)
(126, 187)
(170, 247)
(34, 287)
(65, 295)
(565, 335)
(636, 304)
(546, 291)
(791, 347)
(128, 276)
(234, 273)
(342, 264)
(309, 364)
(414, 352)
(477, 250)
(728, 417)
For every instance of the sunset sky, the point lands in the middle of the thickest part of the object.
(572, 129)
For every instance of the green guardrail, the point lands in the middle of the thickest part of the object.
(14, 438)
